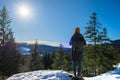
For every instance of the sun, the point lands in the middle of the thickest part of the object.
(24, 11)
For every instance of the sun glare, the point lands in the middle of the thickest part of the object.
(24, 11)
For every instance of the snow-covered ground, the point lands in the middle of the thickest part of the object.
(41, 75)
(112, 75)
(62, 75)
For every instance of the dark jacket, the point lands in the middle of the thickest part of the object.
(77, 55)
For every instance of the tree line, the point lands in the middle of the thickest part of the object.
(99, 56)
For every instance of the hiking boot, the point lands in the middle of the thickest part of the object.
(74, 73)
(79, 75)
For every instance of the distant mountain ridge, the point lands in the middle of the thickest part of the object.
(43, 47)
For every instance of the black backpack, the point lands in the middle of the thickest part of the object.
(78, 43)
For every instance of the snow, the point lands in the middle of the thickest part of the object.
(62, 75)
(41, 75)
(112, 75)
(118, 66)
(24, 50)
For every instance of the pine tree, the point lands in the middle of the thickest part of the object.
(5, 30)
(61, 61)
(108, 56)
(47, 60)
(93, 34)
(99, 55)
(88, 62)
(105, 38)
(36, 62)
(10, 59)
(94, 30)
(9, 55)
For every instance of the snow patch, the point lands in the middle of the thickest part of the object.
(112, 75)
(24, 50)
(118, 66)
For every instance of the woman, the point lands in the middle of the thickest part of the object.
(78, 42)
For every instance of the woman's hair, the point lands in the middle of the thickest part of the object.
(77, 30)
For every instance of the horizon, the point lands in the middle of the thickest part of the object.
(56, 20)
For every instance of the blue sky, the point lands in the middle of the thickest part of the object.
(55, 20)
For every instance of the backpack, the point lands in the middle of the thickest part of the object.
(78, 43)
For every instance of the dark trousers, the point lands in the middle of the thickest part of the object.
(76, 62)
(76, 65)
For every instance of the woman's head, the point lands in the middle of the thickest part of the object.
(77, 30)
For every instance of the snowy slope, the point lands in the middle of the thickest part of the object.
(41, 75)
(62, 75)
